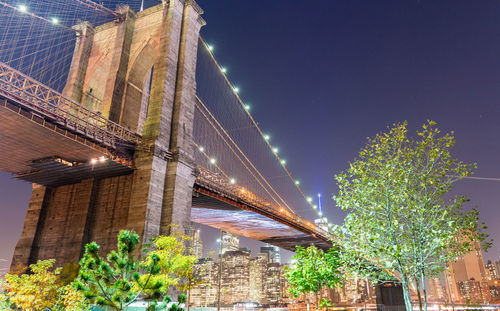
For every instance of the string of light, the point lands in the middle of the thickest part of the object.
(265, 137)
(243, 154)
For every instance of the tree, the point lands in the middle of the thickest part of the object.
(401, 219)
(40, 290)
(175, 265)
(313, 270)
(117, 281)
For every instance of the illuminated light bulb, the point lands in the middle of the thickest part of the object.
(233, 181)
(267, 137)
(275, 150)
(282, 210)
(201, 149)
(93, 161)
(309, 199)
(213, 160)
(315, 206)
(223, 69)
(55, 20)
(297, 182)
(236, 89)
(102, 159)
(23, 8)
(210, 47)
(247, 107)
(283, 162)
(320, 213)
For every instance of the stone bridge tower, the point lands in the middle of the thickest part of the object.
(138, 71)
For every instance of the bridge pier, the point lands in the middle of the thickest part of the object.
(111, 68)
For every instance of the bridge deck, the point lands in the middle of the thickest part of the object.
(27, 140)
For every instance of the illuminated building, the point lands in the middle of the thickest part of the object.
(273, 253)
(204, 293)
(272, 283)
(197, 244)
(464, 269)
(257, 274)
(436, 290)
(492, 270)
(230, 242)
(235, 284)
(473, 291)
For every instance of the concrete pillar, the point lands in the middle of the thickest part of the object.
(76, 76)
(180, 176)
(115, 85)
(31, 225)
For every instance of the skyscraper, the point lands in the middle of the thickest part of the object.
(230, 242)
(436, 290)
(204, 293)
(468, 268)
(273, 253)
(235, 276)
(197, 244)
(492, 269)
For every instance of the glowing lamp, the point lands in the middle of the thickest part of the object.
(213, 160)
(54, 20)
(23, 8)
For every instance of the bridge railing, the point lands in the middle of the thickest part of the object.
(223, 185)
(66, 112)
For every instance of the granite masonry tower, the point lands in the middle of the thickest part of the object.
(138, 71)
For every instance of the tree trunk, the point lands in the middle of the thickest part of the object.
(406, 294)
(417, 285)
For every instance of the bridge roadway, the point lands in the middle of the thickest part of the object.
(48, 139)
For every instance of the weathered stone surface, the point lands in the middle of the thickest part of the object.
(113, 65)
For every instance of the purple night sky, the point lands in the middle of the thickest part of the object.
(324, 75)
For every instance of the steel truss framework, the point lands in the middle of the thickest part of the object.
(63, 111)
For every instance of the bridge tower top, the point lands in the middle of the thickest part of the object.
(139, 70)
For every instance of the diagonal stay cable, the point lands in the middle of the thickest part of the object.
(243, 154)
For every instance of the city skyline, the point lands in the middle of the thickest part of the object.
(474, 128)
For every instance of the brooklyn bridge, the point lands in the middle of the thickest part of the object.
(124, 119)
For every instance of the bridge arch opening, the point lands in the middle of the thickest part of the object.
(136, 101)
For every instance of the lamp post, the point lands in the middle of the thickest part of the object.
(220, 271)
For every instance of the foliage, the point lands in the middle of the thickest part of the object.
(116, 281)
(175, 265)
(400, 219)
(312, 271)
(39, 290)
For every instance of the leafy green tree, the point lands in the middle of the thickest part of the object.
(313, 269)
(175, 265)
(117, 281)
(41, 289)
(402, 223)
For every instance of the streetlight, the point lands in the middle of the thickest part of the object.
(219, 240)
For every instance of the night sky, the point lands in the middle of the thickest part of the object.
(324, 75)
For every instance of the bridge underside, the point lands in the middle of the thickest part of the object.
(215, 213)
(39, 151)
